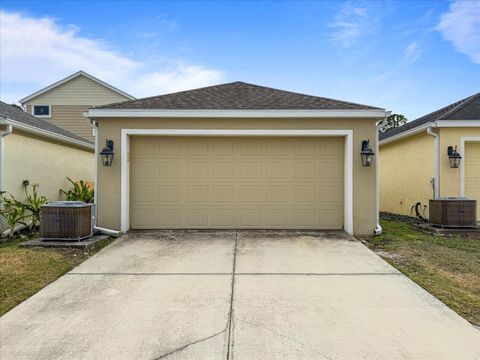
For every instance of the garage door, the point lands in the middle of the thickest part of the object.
(472, 173)
(200, 182)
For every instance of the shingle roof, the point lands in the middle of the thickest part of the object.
(465, 109)
(13, 113)
(237, 96)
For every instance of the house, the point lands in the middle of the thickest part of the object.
(64, 102)
(415, 164)
(35, 150)
(236, 156)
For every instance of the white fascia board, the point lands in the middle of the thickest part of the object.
(438, 123)
(48, 134)
(407, 133)
(155, 113)
(73, 76)
(457, 123)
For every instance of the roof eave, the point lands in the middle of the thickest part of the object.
(437, 123)
(230, 113)
(73, 76)
(45, 133)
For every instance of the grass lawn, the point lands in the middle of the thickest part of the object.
(447, 267)
(24, 271)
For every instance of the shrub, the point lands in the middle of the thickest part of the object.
(13, 211)
(33, 204)
(80, 191)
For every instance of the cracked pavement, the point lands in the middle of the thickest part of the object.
(235, 295)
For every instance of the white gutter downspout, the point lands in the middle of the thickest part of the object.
(4, 133)
(378, 227)
(436, 161)
(110, 232)
(94, 127)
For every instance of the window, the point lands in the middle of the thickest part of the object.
(41, 110)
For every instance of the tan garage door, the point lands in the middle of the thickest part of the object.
(281, 183)
(472, 173)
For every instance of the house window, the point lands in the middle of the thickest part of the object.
(41, 110)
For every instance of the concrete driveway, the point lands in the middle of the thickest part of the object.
(243, 295)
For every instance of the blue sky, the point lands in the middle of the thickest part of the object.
(410, 57)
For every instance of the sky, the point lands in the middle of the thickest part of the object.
(410, 57)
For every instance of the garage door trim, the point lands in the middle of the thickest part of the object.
(125, 168)
(463, 140)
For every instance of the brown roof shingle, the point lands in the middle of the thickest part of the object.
(465, 109)
(13, 113)
(237, 96)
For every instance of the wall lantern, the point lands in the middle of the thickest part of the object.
(454, 157)
(107, 153)
(367, 153)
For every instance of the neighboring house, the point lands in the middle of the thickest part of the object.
(237, 156)
(64, 102)
(414, 158)
(33, 149)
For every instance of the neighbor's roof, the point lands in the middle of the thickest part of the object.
(73, 76)
(237, 96)
(465, 109)
(31, 122)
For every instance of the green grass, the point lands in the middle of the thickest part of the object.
(25, 271)
(448, 267)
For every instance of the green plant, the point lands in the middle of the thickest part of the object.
(13, 211)
(33, 204)
(80, 191)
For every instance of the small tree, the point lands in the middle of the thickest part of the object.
(393, 121)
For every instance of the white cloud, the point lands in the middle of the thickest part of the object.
(351, 22)
(38, 51)
(412, 52)
(461, 26)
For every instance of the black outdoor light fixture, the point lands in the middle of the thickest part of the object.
(367, 153)
(454, 157)
(107, 153)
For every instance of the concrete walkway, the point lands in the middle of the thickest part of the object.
(235, 295)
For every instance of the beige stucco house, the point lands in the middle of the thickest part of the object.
(237, 156)
(35, 150)
(415, 163)
(64, 102)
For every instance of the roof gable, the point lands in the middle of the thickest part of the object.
(74, 78)
(237, 96)
(465, 109)
(10, 112)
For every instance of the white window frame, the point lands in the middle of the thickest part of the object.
(42, 116)
(463, 140)
(125, 160)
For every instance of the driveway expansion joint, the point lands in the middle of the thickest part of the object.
(232, 293)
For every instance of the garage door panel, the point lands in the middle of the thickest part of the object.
(168, 147)
(236, 183)
(198, 193)
(167, 170)
(250, 193)
(276, 170)
(198, 170)
(222, 170)
(275, 193)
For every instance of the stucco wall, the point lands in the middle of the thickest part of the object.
(450, 178)
(364, 218)
(45, 163)
(406, 167)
